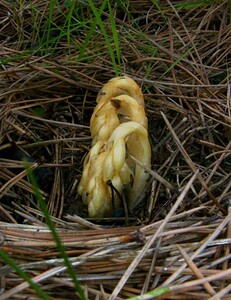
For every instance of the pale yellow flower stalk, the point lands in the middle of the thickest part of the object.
(120, 86)
(119, 130)
(107, 117)
(128, 139)
(94, 191)
(110, 162)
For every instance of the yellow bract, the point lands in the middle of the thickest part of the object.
(119, 130)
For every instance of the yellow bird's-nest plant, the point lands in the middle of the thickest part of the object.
(119, 132)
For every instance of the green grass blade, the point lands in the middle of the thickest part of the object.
(23, 55)
(54, 233)
(102, 28)
(176, 62)
(191, 4)
(91, 30)
(69, 19)
(115, 35)
(49, 22)
(21, 273)
(156, 4)
(152, 294)
(230, 11)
